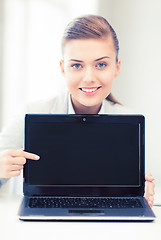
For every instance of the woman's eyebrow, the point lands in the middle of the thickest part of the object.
(75, 60)
(101, 58)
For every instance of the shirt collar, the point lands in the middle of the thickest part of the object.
(71, 109)
(70, 105)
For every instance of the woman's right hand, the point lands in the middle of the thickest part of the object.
(12, 162)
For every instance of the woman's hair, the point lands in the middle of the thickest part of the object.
(91, 27)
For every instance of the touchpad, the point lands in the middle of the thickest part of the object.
(86, 211)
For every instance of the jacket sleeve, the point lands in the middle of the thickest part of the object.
(12, 137)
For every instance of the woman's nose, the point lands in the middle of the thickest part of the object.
(89, 75)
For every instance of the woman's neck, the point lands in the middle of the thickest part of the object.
(81, 109)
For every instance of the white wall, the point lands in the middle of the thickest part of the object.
(138, 26)
(1, 50)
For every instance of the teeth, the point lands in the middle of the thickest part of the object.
(89, 90)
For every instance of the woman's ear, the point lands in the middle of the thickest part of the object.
(62, 66)
(118, 66)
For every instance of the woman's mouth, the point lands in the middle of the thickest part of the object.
(89, 91)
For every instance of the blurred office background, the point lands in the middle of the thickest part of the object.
(30, 35)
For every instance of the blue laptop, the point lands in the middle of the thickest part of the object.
(91, 167)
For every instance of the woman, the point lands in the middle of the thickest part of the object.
(90, 63)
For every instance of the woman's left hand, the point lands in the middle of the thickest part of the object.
(149, 188)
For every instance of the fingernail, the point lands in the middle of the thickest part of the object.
(37, 157)
(150, 203)
(151, 178)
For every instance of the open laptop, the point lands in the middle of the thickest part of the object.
(91, 167)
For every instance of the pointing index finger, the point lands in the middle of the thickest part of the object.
(31, 156)
(21, 153)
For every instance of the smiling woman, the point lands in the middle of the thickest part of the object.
(90, 63)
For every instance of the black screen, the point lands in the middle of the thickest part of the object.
(83, 153)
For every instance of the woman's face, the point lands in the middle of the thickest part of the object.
(89, 67)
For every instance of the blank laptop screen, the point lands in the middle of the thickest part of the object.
(84, 154)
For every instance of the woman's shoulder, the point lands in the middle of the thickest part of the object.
(117, 108)
(56, 104)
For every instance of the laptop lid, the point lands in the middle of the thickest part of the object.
(85, 155)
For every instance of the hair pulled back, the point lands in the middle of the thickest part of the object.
(90, 27)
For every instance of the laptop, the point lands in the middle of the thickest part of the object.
(91, 167)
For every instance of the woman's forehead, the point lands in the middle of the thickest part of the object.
(85, 49)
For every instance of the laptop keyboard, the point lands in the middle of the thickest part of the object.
(83, 202)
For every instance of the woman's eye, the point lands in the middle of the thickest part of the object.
(76, 66)
(101, 65)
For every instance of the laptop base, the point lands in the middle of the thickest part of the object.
(86, 214)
